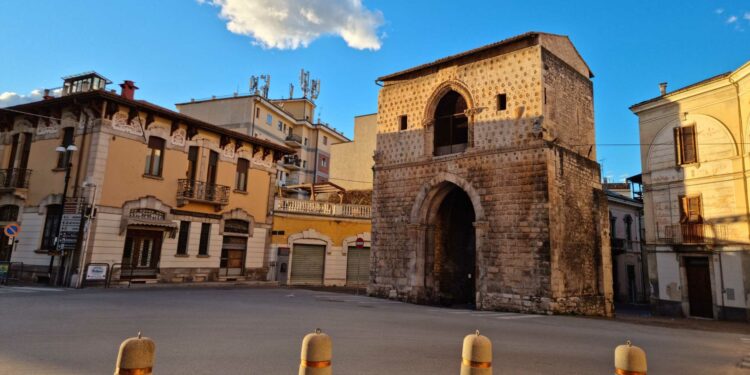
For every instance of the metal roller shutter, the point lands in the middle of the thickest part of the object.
(357, 266)
(307, 264)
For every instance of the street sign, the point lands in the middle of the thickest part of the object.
(69, 226)
(96, 272)
(360, 243)
(11, 230)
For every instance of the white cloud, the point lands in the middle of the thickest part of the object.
(719, 11)
(9, 98)
(746, 16)
(732, 19)
(290, 24)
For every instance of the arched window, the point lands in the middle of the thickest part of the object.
(451, 125)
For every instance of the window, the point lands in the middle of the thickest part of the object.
(451, 125)
(304, 163)
(281, 126)
(257, 112)
(192, 172)
(690, 210)
(628, 227)
(241, 178)
(182, 239)
(323, 162)
(502, 102)
(155, 157)
(403, 122)
(305, 141)
(325, 140)
(236, 226)
(205, 234)
(685, 145)
(269, 119)
(290, 130)
(9, 213)
(51, 226)
(63, 158)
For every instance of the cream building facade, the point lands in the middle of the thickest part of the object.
(352, 162)
(695, 164)
(174, 198)
(288, 122)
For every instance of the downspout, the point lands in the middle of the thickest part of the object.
(252, 115)
(80, 154)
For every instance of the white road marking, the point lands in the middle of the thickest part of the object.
(519, 317)
(26, 289)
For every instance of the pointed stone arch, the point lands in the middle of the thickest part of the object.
(428, 117)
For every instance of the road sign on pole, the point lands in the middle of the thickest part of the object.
(360, 243)
(11, 230)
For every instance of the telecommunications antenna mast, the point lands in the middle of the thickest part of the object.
(266, 84)
(291, 90)
(315, 89)
(254, 85)
(304, 82)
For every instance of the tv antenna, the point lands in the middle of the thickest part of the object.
(291, 90)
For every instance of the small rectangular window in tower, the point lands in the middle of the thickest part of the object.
(403, 122)
(502, 102)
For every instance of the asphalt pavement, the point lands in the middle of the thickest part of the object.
(241, 330)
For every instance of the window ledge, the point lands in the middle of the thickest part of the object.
(243, 192)
(160, 178)
(56, 169)
(202, 256)
(41, 251)
(181, 256)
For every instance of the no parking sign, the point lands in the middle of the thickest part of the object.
(11, 230)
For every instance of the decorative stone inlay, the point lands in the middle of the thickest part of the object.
(120, 122)
(179, 137)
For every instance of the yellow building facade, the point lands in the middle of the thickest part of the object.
(696, 165)
(165, 197)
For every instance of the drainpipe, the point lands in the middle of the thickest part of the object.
(744, 182)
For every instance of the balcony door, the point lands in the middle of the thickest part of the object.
(192, 172)
(213, 166)
(19, 161)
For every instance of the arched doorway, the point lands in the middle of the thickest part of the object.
(453, 254)
(451, 124)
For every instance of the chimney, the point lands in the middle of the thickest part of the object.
(663, 88)
(47, 96)
(128, 89)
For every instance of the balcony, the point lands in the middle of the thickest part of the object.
(316, 208)
(293, 140)
(14, 179)
(201, 192)
(693, 233)
(291, 162)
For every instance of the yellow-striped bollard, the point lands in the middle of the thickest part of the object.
(136, 356)
(476, 357)
(315, 358)
(630, 360)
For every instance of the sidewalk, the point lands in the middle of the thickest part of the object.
(641, 314)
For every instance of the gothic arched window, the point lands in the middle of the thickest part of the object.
(451, 124)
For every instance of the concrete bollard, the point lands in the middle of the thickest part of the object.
(136, 356)
(315, 358)
(630, 360)
(476, 355)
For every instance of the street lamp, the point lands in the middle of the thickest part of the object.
(67, 152)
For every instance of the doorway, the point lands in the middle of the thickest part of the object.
(357, 266)
(699, 287)
(140, 258)
(455, 250)
(308, 264)
(282, 265)
(233, 250)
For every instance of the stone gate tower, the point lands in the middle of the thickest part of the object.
(486, 187)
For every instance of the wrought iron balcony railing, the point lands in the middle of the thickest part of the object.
(15, 178)
(200, 191)
(693, 233)
(293, 140)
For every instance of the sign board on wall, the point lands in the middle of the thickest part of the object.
(96, 272)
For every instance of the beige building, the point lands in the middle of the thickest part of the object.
(486, 187)
(351, 162)
(286, 122)
(174, 198)
(695, 164)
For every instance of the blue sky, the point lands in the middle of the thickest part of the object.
(181, 49)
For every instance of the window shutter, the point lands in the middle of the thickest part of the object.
(677, 158)
(694, 209)
(683, 209)
(689, 154)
